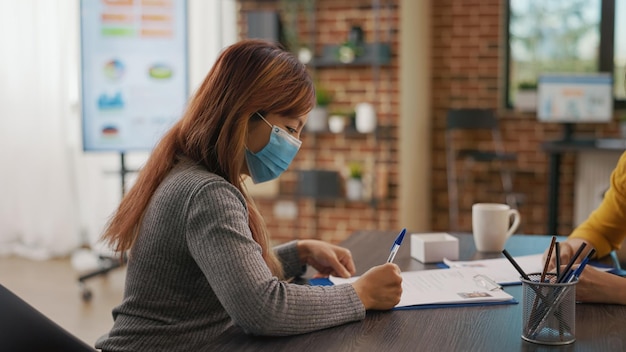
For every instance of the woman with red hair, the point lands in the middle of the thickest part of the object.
(200, 259)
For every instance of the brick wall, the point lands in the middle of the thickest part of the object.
(468, 57)
(334, 220)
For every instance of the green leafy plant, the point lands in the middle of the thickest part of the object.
(323, 96)
(348, 51)
(343, 112)
(527, 85)
(348, 114)
(355, 170)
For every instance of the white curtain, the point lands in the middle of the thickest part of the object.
(54, 197)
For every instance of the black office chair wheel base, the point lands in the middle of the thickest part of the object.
(86, 294)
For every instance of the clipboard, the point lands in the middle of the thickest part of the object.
(500, 269)
(442, 288)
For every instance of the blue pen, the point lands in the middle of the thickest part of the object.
(559, 295)
(566, 272)
(581, 267)
(396, 246)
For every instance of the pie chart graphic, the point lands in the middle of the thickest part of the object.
(114, 69)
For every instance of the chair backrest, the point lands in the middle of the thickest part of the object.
(23, 328)
(465, 142)
(471, 119)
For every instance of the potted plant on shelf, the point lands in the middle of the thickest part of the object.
(338, 120)
(526, 96)
(354, 183)
(318, 117)
(353, 47)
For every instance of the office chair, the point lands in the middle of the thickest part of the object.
(463, 125)
(24, 329)
(106, 264)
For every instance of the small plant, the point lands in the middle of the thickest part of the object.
(527, 85)
(348, 51)
(348, 114)
(323, 96)
(355, 170)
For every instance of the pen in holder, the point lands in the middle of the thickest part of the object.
(549, 310)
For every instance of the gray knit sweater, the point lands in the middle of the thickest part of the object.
(195, 271)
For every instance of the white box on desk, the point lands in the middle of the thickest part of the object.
(433, 247)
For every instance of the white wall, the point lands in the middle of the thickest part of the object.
(414, 195)
(53, 196)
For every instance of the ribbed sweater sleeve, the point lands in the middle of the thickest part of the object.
(605, 228)
(288, 255)
(194, 271)
(221, 243)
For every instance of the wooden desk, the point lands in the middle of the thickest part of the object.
(485, 328)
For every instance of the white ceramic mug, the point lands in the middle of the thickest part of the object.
(492, 226)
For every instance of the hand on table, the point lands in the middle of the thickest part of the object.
(596, 286)
(327, 259)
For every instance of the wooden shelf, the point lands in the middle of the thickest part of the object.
(382, 132)
(373, 54)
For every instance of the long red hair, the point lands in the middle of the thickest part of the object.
(249, 76)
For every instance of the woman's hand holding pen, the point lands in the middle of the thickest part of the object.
(380, 288)
(326, 258)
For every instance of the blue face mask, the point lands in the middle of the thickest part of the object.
(271, 161)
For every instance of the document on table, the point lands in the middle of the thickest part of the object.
(500, 270)
(441, 287)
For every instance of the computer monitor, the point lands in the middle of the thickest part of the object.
(575, 98)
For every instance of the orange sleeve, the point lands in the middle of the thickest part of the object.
(605, 228)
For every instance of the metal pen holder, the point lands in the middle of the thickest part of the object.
(549, 310)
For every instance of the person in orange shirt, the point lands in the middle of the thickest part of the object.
(604, 230)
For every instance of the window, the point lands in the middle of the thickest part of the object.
(619, 41)
(565, 36)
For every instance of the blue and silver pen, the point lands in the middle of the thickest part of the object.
(581, 267)
(396, 246)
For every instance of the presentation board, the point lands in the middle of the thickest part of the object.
(134, 71)
(575, 98)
